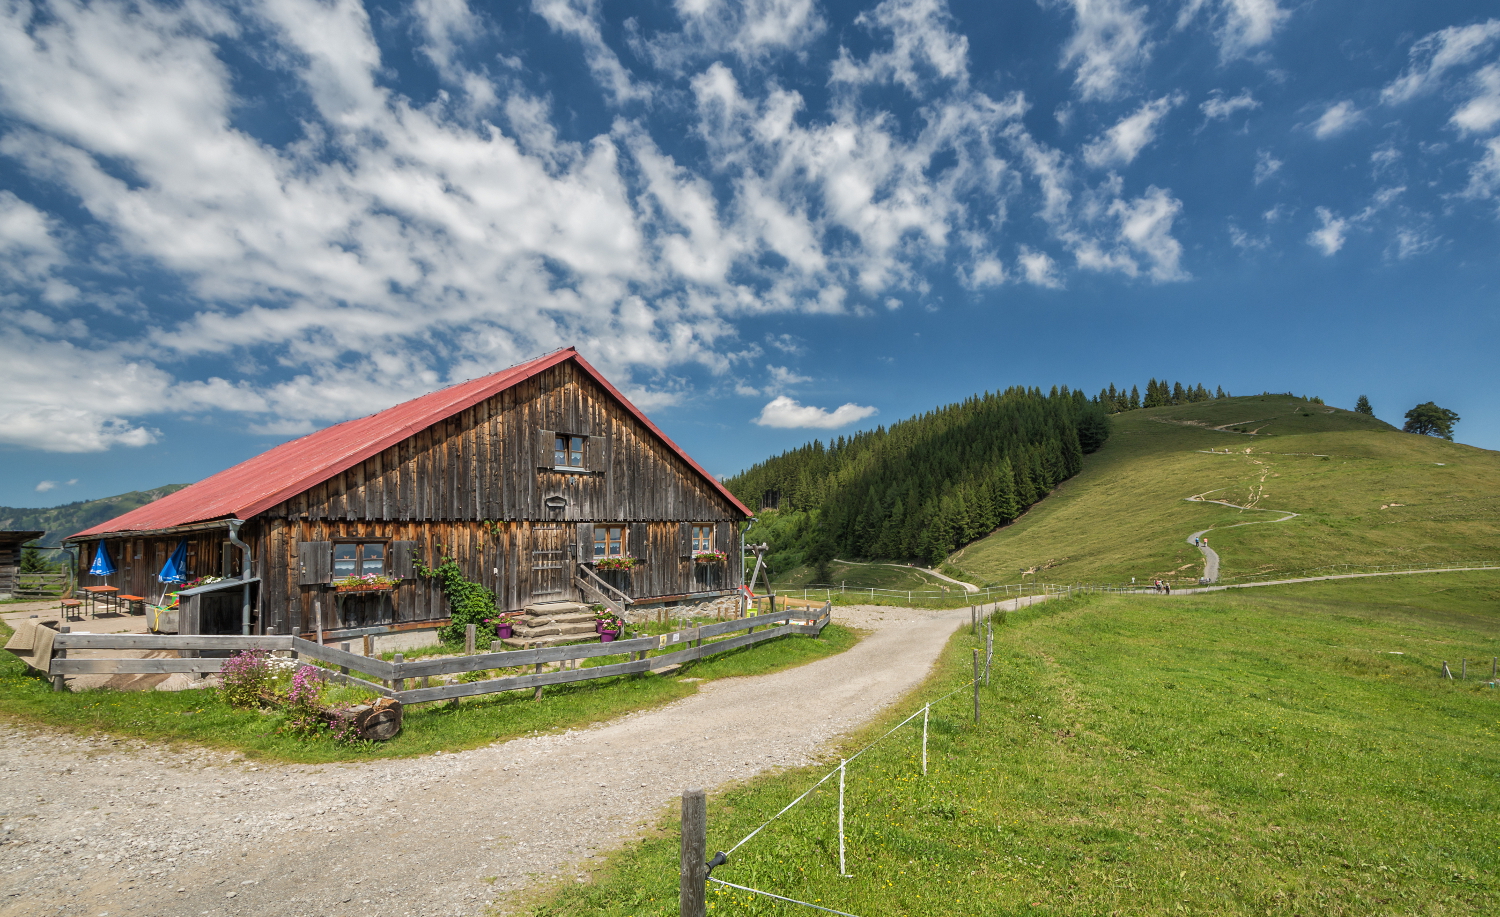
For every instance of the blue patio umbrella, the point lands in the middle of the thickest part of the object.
(175, 570)
(103, 566)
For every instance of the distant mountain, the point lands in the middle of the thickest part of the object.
(58, 522)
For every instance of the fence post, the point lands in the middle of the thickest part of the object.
(1446, 673)
(343, 669)
(296, 631)
(693, 870)
(469, 640)
(973, 619)
(1465, 675)
(989, 648)
(842, 870)
(398, 683)
(976, 687)
(925, 709)
(60, 682)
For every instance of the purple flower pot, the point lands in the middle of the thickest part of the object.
(608, 636)
(598, 627)
(503, 631)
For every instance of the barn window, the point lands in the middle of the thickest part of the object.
(609, 541)
(567, 451)
(703, 538)
(358, 558)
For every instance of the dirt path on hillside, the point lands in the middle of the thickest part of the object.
(93, 825)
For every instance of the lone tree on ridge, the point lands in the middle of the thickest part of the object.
(1362, 406)
(1430, 420)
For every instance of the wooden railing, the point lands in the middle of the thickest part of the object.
(41, 585)
(608, 595)
(392, 679)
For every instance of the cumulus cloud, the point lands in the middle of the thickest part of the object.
(44, 486)
(1433, 55)
(1120, 145)
(1266, 165)
(1108, 47)
(1240, 26)
(1481, 112)
(751, 30)
(923, 42)
(787, 413)
(580, 19)
(1329, 237)
(1218, 108)
(1038, 268)
(1336, 119)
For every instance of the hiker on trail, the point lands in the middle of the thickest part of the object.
(1167, 587)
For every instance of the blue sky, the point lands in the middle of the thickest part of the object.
(222, 226)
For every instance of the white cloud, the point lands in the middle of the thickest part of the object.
(1240, 25)
(785, 412)
(44, 486)
(1411, 242)
(1329, 237)
(1266, 165)
(1435, 54)
(1038, 268)
(751, 30)
(923, 42)
(580, 18)
(1109, 46)
(1336, 119)
(1146, 225)
(1122, 143)
(1218, 108)
(1244, 241)
(1482, 112)
(1484, 175)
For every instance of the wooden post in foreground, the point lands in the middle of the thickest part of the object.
(60, 682)
(976, 687)
(398, 684)
(693, 874)
(469, 640)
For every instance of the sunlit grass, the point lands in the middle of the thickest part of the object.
(1246, 753)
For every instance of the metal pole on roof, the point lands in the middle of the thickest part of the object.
(234, 539)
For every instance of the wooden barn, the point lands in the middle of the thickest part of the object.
(533, 479)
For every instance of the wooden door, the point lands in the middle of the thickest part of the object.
(549, 563)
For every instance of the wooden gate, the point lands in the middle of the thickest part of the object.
(549, 562)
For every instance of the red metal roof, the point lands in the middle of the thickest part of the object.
(279, 474)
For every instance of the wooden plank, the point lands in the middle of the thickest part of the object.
(133, 666)
(723, 646)
(169, 642)
(455, 664)
(378, 667)
(726, 627)
(521, 682)
(346, 678)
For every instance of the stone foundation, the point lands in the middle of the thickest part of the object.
(725, 607)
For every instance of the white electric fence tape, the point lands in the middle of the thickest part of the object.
(756, 891)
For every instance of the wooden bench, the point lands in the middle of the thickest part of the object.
(67, 606)
(134, 604)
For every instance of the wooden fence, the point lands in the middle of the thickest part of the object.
(41, 585)
(398, 679)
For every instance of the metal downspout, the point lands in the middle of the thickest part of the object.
(234, 539)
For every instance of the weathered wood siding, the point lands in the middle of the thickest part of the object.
(139, 560)
(473, 487)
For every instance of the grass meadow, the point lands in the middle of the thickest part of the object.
(1368, 494)
(1282, 750)
(199, 716)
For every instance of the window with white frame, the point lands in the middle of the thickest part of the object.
(358, 558)
(609, 541)
(567, 451)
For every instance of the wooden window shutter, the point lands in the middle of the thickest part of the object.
(399, 559)
(544, 456)
(316, 561)
(585, 542)
(686, 537)
(639, 544)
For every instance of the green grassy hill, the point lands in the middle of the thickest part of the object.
(1367, 494)
(58, 522)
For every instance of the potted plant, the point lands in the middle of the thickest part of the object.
(610, 627)
(710, 557)
(504, 630)
(370, 582)
(616, 563)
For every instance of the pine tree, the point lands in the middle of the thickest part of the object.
(1178, 395)
(1135, 398)
(1219, 392)
(1362, 406)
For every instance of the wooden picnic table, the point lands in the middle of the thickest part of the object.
(97, 594)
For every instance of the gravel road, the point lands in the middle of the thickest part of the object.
(92, 826)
